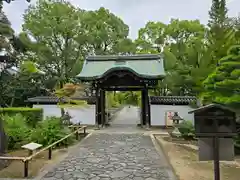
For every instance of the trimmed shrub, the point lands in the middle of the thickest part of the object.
(16, 130)
(186, 129)
(49, 131)
(32, 115)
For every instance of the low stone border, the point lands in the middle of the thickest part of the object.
(171, 172)
(194, 149)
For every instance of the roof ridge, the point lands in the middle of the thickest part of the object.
(124, 57)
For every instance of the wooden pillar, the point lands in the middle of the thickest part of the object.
(147, 110)
(143, 108)
(97, 108)
(102, 96)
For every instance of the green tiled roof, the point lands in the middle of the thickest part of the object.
(146, 66)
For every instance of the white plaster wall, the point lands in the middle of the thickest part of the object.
(158, 113)
(85, 115)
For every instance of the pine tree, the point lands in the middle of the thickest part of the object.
(223, 85)
(218, 14)
(6, 32)
(221, 34)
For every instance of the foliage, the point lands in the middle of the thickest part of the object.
(6, 31)
(49, 131)
(16, 130)
(112, 100)
(223, 85)
(65, 92)
(218, 13)
(55, 27)
(128, 97)
(237, 141)
(31, 115)
(185, 53)
(186, 129)
(105, 33)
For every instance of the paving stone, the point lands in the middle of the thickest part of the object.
(113, 157)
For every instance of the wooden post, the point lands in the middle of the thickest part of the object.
(84, 131)
(77, 134)
(26, 168)
(149, 109)
(216, 158)
(146, 101)
(102, 96)
(50, 153)
(97, 108)
(30, 152)
(143, 118)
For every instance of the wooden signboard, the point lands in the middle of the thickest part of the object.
(168, 118)
(206, 149)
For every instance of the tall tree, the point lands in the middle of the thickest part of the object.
(218, 14)
(59, 38)
(6, 33)
(221, 34)
(105, 31)
(151, 38)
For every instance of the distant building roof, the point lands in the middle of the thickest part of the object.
(173, 100)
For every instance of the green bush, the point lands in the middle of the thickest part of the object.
(186, 129)
(16, 130)
(49, 131)
(32, 115)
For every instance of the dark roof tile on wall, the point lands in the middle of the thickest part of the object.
(55, 100)
(172, 100)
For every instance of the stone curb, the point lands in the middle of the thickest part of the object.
(194, 148)
(158, 146)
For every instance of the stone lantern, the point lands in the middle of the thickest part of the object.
(176, 118)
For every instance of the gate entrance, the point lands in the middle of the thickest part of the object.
(122, 73)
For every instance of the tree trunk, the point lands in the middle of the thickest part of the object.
(3, 145)
(3, 139)
(62, 109)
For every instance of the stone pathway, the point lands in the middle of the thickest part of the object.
(113, 157)
(129, 115)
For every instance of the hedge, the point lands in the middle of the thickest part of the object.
(32, 115)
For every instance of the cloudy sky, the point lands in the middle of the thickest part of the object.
(135, 13)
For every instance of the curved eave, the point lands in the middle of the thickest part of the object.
(144, 76)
